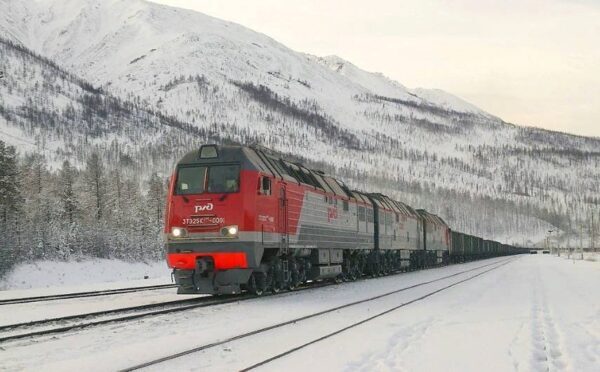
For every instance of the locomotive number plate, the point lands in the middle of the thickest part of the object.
(198, 221)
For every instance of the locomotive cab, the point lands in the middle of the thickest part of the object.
(210, 233)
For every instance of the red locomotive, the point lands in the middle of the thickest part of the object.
(244, 218)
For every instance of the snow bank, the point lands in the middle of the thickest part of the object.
(47, 274)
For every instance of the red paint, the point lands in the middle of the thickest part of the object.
(242, 208)
(222, 260)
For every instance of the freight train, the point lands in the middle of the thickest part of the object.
(244, 218)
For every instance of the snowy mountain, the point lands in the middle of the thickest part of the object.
(224, 82)
(44, 108)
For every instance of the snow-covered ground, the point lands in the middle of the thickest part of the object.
(537, 312)
(54, 277)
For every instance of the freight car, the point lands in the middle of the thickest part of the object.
(245, 218)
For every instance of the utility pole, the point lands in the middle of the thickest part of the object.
(592, 242)
(581, 241)
(569, 249)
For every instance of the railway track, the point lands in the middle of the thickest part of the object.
(495, 265)
(141, 311)
(356, 324)
(107, 292)
(79, 321)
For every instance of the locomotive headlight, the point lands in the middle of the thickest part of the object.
(230, 230)
(178, 232)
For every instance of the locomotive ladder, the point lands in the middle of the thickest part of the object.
(283, 227)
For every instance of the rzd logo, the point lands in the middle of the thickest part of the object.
(202, 208)
(332, 214)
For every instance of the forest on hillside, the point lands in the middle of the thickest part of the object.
(72, 214)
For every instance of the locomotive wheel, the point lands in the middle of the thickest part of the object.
(384, 266)
(360, 266)
(354, 268)
(257, 283)
(351, 275)
(347, 269)
(275, 277)
(274, 285)
(294, 276)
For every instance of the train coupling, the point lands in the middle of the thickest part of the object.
(204, 265)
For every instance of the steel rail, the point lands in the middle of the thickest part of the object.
(63, 296)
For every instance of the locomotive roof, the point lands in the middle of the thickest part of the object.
(432, 218)
(224, 154)
(273, 163)
(394, 205)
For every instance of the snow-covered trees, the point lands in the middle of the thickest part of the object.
(66, 192)
(10, 208)
(70, 214)
(94, 186)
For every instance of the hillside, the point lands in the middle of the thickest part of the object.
(50, 209)
(220, 81)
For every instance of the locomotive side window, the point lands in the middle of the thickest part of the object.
(265, 185)
(190, 180)
(224, 178)
(346, 206)
(369, 215)
(361, 213)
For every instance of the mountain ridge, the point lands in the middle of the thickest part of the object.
(425, 147)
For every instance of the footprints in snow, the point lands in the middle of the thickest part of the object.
(547, 350)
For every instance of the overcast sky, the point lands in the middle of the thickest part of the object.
(531, 62)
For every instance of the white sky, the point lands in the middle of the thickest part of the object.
(531, 62)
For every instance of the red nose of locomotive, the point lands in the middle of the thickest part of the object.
(209, 236)
(206, 225)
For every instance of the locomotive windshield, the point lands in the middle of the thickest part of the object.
(224, 178)
(214, 179)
